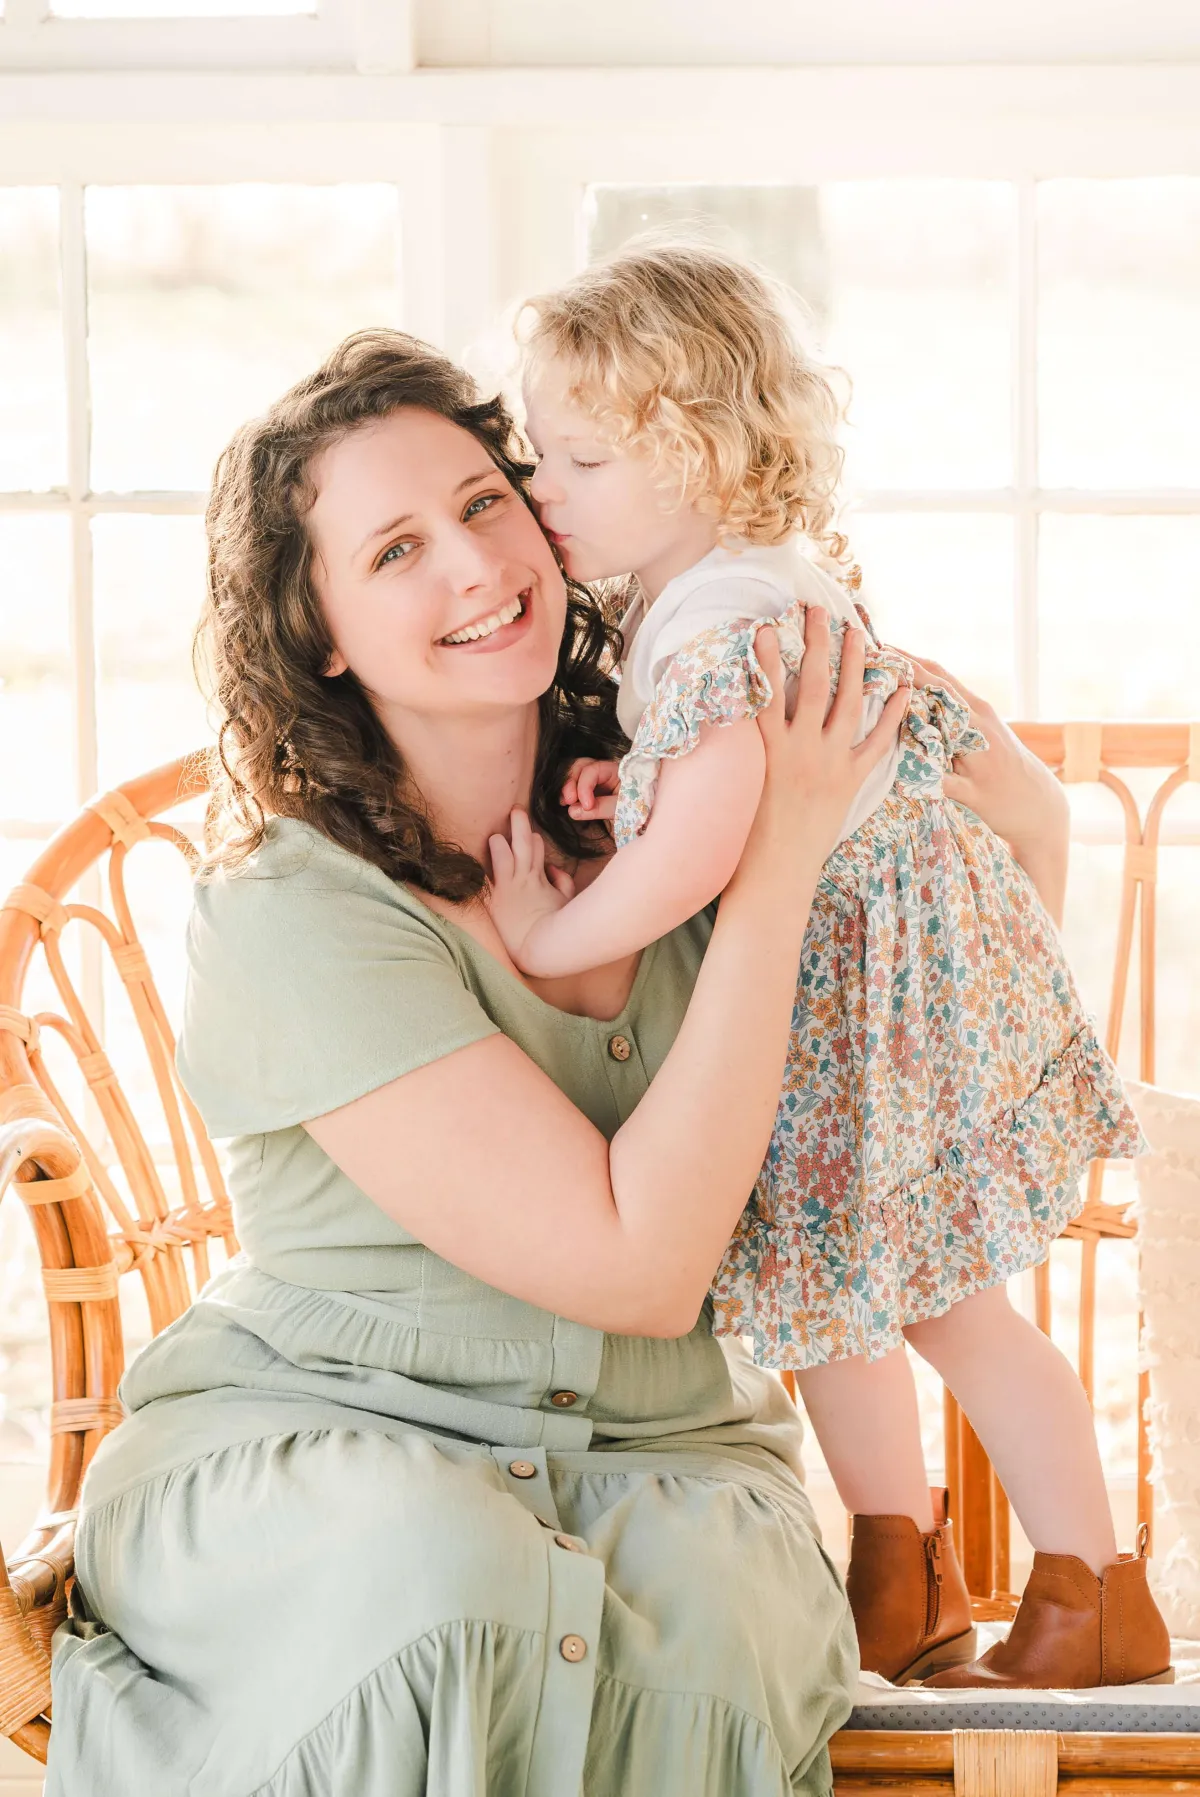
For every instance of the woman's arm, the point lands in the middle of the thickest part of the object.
(703, 810)
(1014, 793)
(482, 1158)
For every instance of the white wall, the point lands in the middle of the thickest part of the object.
(627, 32)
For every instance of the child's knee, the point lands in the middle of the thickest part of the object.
(970, 1317)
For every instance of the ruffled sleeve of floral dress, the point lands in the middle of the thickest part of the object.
(715, 679)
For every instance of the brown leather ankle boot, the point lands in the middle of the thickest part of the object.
(908, 1596)
(1074, 1630)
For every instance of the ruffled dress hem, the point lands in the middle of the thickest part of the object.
(1008, 1192)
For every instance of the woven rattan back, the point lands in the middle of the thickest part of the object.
(99, 1197)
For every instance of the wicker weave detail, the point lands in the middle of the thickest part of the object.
(81, 1285)
(73, 1416)
(1005, 1762)
(41, 906)
(131, 963)
(1082, 759)
(22, 1563)
(54, 1191)
(28, 1103)
(179, 1228)
(97, 1069)
(24, 1671)
(1141, 862)
(126, 824)
(24, 1028)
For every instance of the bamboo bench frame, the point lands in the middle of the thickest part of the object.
(73, 1204)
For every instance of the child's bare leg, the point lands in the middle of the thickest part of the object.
(1031, 1413)
(864, 1414)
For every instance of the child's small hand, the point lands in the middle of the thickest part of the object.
(523, 889)
(590, 790)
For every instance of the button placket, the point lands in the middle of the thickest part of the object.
(526, 1478)
(571, 1377)
(572, 1643)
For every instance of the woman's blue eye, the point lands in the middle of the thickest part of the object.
(576, 463)
(485, 501)
(395, 549)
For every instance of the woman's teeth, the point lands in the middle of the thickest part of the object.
(487, 626)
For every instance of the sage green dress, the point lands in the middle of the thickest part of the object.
(374, 1529)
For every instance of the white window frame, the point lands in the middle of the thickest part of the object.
(364, 36)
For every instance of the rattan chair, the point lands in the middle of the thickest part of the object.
(88, 1233)
(89, 1236)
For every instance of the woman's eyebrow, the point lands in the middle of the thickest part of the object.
(472, 480)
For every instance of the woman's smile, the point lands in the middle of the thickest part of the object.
(497, 629)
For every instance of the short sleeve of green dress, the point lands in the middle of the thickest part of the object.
(375, 1527)
(353, 983)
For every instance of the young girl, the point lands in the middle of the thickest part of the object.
(944, 1089)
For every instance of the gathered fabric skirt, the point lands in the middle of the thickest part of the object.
(944, 1092)
(340, 1604)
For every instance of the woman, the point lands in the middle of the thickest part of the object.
(446, 1485)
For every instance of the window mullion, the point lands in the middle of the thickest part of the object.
(73, 287)
(73, 277)
(25, 15)
(384, 34)
(1025, 452)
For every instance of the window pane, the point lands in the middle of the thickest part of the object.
(178, 9)
(942, 586)
(780, 227)
(37, 753)
(149, 576)
(909, 286)
(1120, 616)
(206, 303)
(1118, 371)
(920, 320)
(33, 405)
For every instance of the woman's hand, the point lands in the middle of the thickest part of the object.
(814, 766)
(1013, 792)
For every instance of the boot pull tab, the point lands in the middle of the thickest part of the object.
(1142, 1541)
(933, 1553)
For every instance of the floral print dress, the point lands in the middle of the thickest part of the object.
(944, 1087)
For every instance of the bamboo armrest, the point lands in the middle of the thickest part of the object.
(41, 1163)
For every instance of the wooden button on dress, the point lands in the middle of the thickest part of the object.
(572, 1547)
(523, 1469)
(618, 1048)
(572, 1647)
(563, 1400)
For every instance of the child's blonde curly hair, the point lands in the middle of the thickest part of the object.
(696, 359)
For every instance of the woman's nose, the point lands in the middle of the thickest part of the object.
(471, 560)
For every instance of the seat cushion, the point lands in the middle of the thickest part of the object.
(1111, 1709)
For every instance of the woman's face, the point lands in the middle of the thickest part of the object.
(439, 589)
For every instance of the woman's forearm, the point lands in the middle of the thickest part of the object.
(1044, 859)
(683, 1166)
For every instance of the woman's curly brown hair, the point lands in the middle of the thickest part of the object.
(294, 742)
